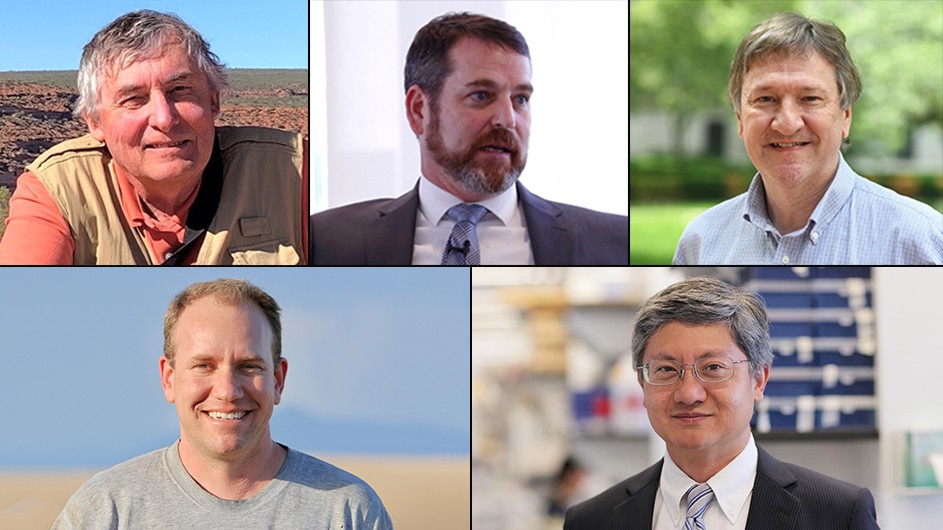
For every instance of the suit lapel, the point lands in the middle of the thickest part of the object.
(552, 236)
(635, 512)
(772, 506)
(389, 236)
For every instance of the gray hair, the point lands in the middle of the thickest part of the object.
(793, 34)
(137, 36)
(700, 301)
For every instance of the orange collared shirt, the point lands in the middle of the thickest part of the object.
(37, 234)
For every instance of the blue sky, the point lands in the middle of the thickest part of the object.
(50, 34)
(378, 361)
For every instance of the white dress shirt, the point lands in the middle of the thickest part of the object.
(502, 232)
(732, 486)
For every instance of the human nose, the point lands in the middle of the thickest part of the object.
(504, 115)
(226, 386)
(690, 389)
(163, 113)
(788, 119)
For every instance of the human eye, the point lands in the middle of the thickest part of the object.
(662, 372)
(714, 368)
(764, 99)
(252, 367)
(479, 95)
(522, 99)
(133, 101)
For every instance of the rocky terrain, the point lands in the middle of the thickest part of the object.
(36, 110)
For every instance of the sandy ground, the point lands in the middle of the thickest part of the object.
(420, 493)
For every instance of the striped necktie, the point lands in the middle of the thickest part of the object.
(697, 499)
(462, 246)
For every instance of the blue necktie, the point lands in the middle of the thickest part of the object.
(697, 499)
(462, 246)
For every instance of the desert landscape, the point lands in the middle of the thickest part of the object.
(36, 110)
(420, 493)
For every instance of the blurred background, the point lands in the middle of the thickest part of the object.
(557, 413)
(685, 155)
(369, 387)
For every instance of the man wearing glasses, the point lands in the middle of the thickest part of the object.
(701, 349)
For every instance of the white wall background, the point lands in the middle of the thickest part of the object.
(579, 133)
(909, 311)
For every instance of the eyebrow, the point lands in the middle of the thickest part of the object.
(487, 83)
(708, 353)
(768, 88)
(133, 89)
(210, 357)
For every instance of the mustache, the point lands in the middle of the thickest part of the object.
(503, 138)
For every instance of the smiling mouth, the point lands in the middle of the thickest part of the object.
(227, 415)
(788, 144)
(168, 145)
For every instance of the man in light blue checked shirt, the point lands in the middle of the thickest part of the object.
(792, 86)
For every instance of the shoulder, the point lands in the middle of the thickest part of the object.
(330, 489)
(98, 502)
(581, 216)
(130, 472)
(318, 474)
(595, 511)
(899, 208)
(232, 136)
(708, 230)
(718, 215)
(915, 228)
(814, 485)
(822, 496)
(351, 214)
(79, 149)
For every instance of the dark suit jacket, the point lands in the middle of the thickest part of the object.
(381, 232)
(785, 497)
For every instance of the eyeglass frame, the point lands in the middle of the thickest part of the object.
(645, 374)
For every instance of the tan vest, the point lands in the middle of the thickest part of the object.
(259, 220)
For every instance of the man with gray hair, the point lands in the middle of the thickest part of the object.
(792, 86)
(155, 181)
(701, 350)
(223, 369)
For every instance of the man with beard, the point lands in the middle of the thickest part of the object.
(468, 89)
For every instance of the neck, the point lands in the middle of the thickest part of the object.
(789, 209)
(164, 203)
(701, 464)
(233, 479)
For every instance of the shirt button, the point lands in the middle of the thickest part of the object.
(815, 236)
(785, 260)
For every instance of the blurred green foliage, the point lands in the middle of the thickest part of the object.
(680, 54)
(660, 178)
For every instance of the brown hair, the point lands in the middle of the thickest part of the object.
(427, 62)
(792, 34)
(227, 291)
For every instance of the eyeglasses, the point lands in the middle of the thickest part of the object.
(707, 369)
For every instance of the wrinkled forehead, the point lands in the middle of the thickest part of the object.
(807, 67)
(167, 45)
